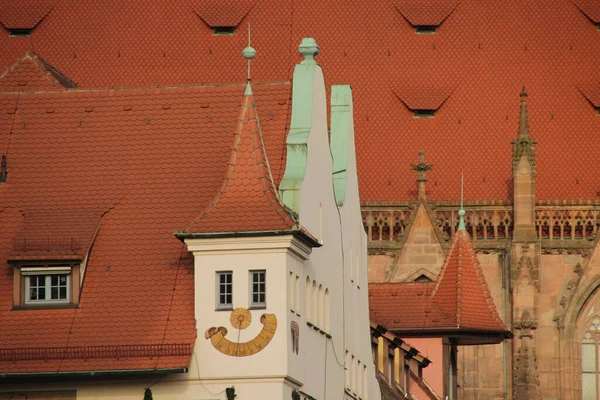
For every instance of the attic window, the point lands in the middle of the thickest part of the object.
(46, 284)
(223, 30)
(425, 29)
(19, 32)
(424, 113)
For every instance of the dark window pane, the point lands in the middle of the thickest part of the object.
(54, 293)
(222, 278)
(41, 293)
(54, 280)
(63, 293)
(255, 298)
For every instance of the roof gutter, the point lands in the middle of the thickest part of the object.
(117, 372)
(298, 233)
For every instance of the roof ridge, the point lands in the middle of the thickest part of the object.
(248, 174)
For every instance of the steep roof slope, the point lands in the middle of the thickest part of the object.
(141, 164)
(474, 66)
(247, 200)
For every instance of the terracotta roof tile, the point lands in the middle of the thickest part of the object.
(247, 200)
(484, 52)
(434, 12)
(223, 12)
(151, 160)
(461, 290)
(24, 14)
(32, 73)
(459, 301)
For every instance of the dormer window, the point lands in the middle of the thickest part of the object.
(223, 30)
(425, 113)
(50, 284)
(19, 32)
(425, 29)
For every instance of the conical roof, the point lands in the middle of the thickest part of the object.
(461, 290)
(247, 200)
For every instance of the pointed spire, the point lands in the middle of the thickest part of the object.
(247, 200)
(461, 212)
(524, 116)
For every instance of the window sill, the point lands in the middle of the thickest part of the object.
(51, 306)
(224, 309)
(257, 307)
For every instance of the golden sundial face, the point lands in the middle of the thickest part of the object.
(240, 319)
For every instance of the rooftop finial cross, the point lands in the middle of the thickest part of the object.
(461, 212)
(421, 167)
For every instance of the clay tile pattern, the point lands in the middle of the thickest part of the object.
(223, 13)
(590, 8)
(461, 290)
(486, 53)
(433, 12)
(56, 234)
(151, 161)
(406, 306)
(247, 200)
(31, 73)
(24, 14)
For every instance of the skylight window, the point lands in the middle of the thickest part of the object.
(424, 114)
(19, 32)
(425, 29)
(223, 30)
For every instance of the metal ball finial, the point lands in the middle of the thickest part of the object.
(249, 52)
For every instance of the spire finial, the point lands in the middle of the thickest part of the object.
(461, 212)
(249, 53)
(421, 169)
(523, 115)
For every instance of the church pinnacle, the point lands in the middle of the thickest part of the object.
(421, 169)
(524, 116)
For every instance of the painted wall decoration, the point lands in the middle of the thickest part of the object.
(241, 319)
(295, 337)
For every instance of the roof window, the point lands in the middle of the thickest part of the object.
(223, 30)
(425, 29)
(20, 32)
(424, 113)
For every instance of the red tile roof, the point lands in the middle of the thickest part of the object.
(402, 306)
(31, 73)
(461, 290)
(433, 12)
(223, 12)
(24, 14)
(56, 234)
(459, 302)
(151, 160)
(484, 52)
(247, 200)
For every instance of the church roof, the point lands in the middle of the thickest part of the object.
(483, 56)
(129, 168)
(247, 200)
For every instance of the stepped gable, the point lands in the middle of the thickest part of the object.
(461, 291)
(247, 200)
(485, 53)
(31, 74)
(148, 160)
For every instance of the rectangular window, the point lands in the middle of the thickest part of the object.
(225, 290)
(47, 288)
(258, 288)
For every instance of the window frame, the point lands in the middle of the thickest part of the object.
(23, 270)
(225, 306)
(252, 274)
(47, 288)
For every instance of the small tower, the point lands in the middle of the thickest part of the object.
(524, 174)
